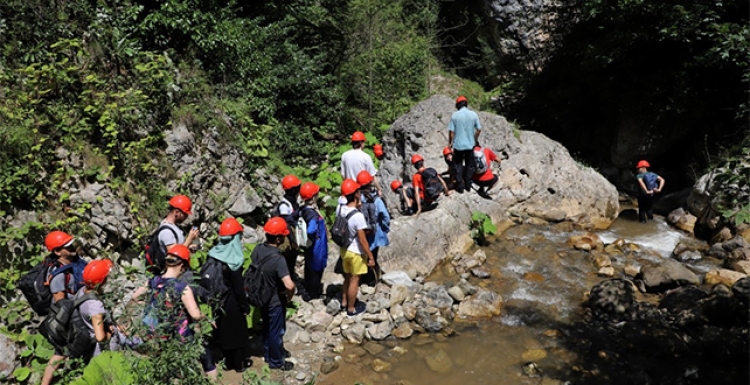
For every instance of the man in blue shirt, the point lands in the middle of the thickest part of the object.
(464, 130)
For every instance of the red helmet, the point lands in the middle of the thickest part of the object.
(349, 186)
(290, 181)
(395, 185)
(447, 150)
(57, 239)
(378, 150)
(96, 271)
(180, 251)
(276, 226)
(461, 99)
(364, 177)
(308, 190)
(416, 158)
(181, 203)
(230, 226)
(642, 163)
(358, 136)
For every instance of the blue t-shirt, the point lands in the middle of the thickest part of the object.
(464, 123)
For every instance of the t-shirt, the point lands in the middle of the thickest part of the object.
(274, 267)
(463, 124)
(650, 180)
(354, 161)
(356, 222)
(489, 156)
(89, 309)
(417, 181)
(167, 238)
(58, 284)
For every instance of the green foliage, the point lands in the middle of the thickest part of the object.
(34, 356)
(252, 377)
(106, 368)
(481, 226)
(731, 184)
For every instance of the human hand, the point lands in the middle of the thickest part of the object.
(657, 190)
(194, 233)
(371, 262)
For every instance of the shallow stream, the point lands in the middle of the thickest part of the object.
(543, 282)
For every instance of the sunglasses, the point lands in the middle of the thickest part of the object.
(70, 248)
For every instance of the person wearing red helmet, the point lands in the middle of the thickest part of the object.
(405, 194)
(454, 169)
(288, 209)
(421, 178)
(463, 134)
(316, 250)
(356, 257)
(649, 184)
(267, 258)
(378, 220)
(487, 179)
(172, 295)
(230, 334)
(66, 268)
(355, 160)
(169, 233)
(91, 325)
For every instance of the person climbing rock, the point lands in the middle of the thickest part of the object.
(650, 184)
(463, 134)
(406, 197)
(379, 222)
(454, 170)
(428, 185)
(355, 160)
(485, 180)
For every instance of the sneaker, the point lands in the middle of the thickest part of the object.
(483, 194)
(460, 190)
(287, 353)
(359, 308)
(286, 367)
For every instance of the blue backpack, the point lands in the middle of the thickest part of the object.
(316, 231)
(651, 180)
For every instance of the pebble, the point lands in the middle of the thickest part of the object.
(301, 376)
(303, 337)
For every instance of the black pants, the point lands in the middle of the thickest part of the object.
(464, 161)
(313, 287)
(645, 207)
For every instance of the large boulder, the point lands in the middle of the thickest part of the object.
(539, 179)
(667, 274)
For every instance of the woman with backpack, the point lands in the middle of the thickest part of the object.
(231, 306)
(379, 221)
(174, 298)
(90, 320)
(316, 249)
(650, 184)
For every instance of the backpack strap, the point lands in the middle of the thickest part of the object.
(162, 227)
(351, 214)
(86, 297)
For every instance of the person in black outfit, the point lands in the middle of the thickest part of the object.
(231, 334)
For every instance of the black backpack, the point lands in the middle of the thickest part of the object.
(59, 326)
(212, 281)
(258, 285)
(35, 286)
(369, 211)
(153, 254)
(431, 183)
(340, 229)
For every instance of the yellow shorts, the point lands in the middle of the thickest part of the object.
(353, 263)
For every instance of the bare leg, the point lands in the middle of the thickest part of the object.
(52, 365)
(345, 291)
(351, 292)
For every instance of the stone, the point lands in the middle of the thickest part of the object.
(333, 307)
(403, 331)
(8, 355)
(301, 376)
(317, 337)
(601, 259)
(722, 276)
(427, 321)
(632, 270)
(607, 271)
(327, 367)
(482, 304)
(532, 277)
(586, 242)
(373, 348)
(741, 290)
(438, 297)
(303, 337)
(381, 316)
(373, 307)
(534, 355)
(380, 331)
(246, 202)
(397, 278)
(355, 333)
(675, 215)
(688, 256)
(439, 362)
(666, 275)
(319, 321)
(466, 287)
(480, 272)
(410, 311)
(612, 300)
(687, 223)
(381, 366)
(741, 266)
(456, 293)
(366, 290)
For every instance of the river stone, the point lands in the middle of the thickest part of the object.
(328, 366)
(439, 298)
(741, 290)
(8, 354)
(466, 287)
(366, 290)
(439, 362)
(333, 307)
(534, 355)
(381, 366)
(687, 223)
(532, 276)
(397, 278)
(607, 271)
(380, 331)
(373, 307)
(410, 311)
(403, 331)
(373, 348)
(484, 303)
(480, 272)
(427, 321)
(456, 293)
(397, 314)
(632, 270)
(378, 317)
(354, 333)
(612, 299)
(319, 322)
(666, 275)
(722, 276)
(601, 259)
(741, 266)
(723, 250)
(303, 337)
(688, 256)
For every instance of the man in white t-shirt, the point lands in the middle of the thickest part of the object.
(356, 257)
(355, 160)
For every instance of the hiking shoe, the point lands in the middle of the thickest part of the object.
(460, 190)
(484, 194)
(286, 367)
(287, 353)
(359, 308)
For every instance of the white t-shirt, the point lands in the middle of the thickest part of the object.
(167, 238)
(354, 161)
(356, 222)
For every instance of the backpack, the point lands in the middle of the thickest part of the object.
(164, 311)
(431, 182)
(35, 286)
(258, 286)
(276, 212)
(320, 246)
(301, 233)
(212, 281)
(152, 252)
(480, 162)
(58, 326)
(370, 212)
(651, 180)
(340, 229)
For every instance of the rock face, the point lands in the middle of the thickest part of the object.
(539, 179)
(8, 353)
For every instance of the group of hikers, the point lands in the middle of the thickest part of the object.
(65, 284)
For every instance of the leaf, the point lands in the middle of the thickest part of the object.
(21, 374)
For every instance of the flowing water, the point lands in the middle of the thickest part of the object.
(543, 283)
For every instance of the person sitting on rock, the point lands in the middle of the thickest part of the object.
(486, 180)
(428, 185)
(650, 184)
(405, 195)
(453, 171)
